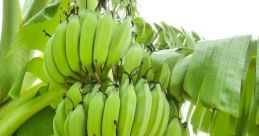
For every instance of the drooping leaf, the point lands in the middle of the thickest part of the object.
(17, 86)
(31, 35)
(223, 125)
(32, 7)
(10, 26)
(35, 66)
(197, 69)
(221, 85)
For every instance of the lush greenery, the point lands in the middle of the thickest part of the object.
(219, 77)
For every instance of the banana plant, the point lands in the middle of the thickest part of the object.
(219, 78)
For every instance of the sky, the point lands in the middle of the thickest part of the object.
(212, 19)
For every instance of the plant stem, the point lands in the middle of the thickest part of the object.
(10, 26)
(24, 98)
(15, 119)
(11, 22)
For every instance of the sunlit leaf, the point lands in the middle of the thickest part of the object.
(35, 66)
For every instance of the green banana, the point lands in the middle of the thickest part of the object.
(102, 40)
(50, 66)
(156, 110)
(162, 75)
(72, 43)
(120, 42)
(87, 40)
(175, 87)
(73, 97)
(91, 4)
(81, 4)
(89, 97)
(124, 86)
(55, 127)
(174, 128)
(111, 113)
(132, 58)
(77, 123)
(67, 124)
(127, 110)
(60, 117)
(82, 15)
(164, 121)
(95, 113)
(146, 70)
(143, 108)
(59, 50)
(174, 112)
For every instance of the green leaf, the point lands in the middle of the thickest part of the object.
(223, 125)
(221, 85)
(197, 116)
(148, 35)
(16, 88)
(9, 65)
(39, 124)
(31, 35)
(197, 69)
(35, 66)
(32, 7)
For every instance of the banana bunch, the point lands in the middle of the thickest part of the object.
(86, 46)
(124, 109)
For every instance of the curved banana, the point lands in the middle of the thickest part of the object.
(77, 123)
(50, 65)
(88, 98)
(132, 60)
(67, 124)
(91, 4)
(162, 75)
(143, 108)
(87, 40)
(81, 4)
(60, 117)
(164, 121)
(173, 110)
(102, 40)
(127, 110)
(95, 113)
(146, 70)
(174, 128)
(59, 50)
(111, 113)
(55, 127)
(156, 110)
(82, 15)
(73, 97)
(72, 43)
(120, 42)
